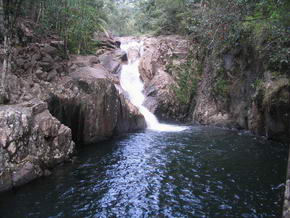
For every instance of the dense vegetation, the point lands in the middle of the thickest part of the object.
(206, 20)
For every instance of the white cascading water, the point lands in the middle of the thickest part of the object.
(132, 84)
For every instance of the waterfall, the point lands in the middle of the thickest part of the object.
(131, 83)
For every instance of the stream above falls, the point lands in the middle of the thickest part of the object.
(199, 172)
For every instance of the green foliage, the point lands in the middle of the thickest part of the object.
(121, 17)
(186, 87)
(258, 84)
(83, 21)
(269, 25)
(222, 87)
(188, 76)
(165, 16)
(74, 20)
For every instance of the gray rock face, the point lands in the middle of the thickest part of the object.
(249, 100)
(158, 82)
(31, 141)
(94, 110)
(269, 112)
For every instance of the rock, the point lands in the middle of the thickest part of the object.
(36, 57)
(93, 108)
(48, 49)
(25, 174)
(96, 72)
(41, 74)
(31, 140)
(94, 60)
(83, 104)
(57, 44)
(47, 58)
(276, 109)
(51, 75)
(130, 119)
(5, 180)
(251, 99)
(4, 96)
(111, 63)
(106, 41)
(133, 54)
(46, 66)
(47, 172)
(120, 55)
(158, 82)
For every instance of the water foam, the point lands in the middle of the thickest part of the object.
(132, 84)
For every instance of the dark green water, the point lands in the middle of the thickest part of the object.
(201, 172)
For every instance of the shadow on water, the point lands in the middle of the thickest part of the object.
(200, 172)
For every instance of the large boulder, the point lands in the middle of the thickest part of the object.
(31, 142)
(92, 107)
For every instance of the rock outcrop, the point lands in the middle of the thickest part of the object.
(237, 92)
(159, 83)
(55, 103)
(93, 108)
(32, 141)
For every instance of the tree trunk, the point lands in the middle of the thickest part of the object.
(4, 97)
(11, 9)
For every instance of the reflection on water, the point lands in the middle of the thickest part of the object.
(200, 172)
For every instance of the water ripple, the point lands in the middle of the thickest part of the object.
(201, 172)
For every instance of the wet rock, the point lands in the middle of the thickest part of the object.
(25, 174)
(133, 54)
(120, 55)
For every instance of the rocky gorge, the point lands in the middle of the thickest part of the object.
(57, 104)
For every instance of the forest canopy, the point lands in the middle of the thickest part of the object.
(207, 20)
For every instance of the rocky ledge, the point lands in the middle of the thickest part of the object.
(56, 103)
(32, 141)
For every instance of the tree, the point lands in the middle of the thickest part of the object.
(10, 12)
